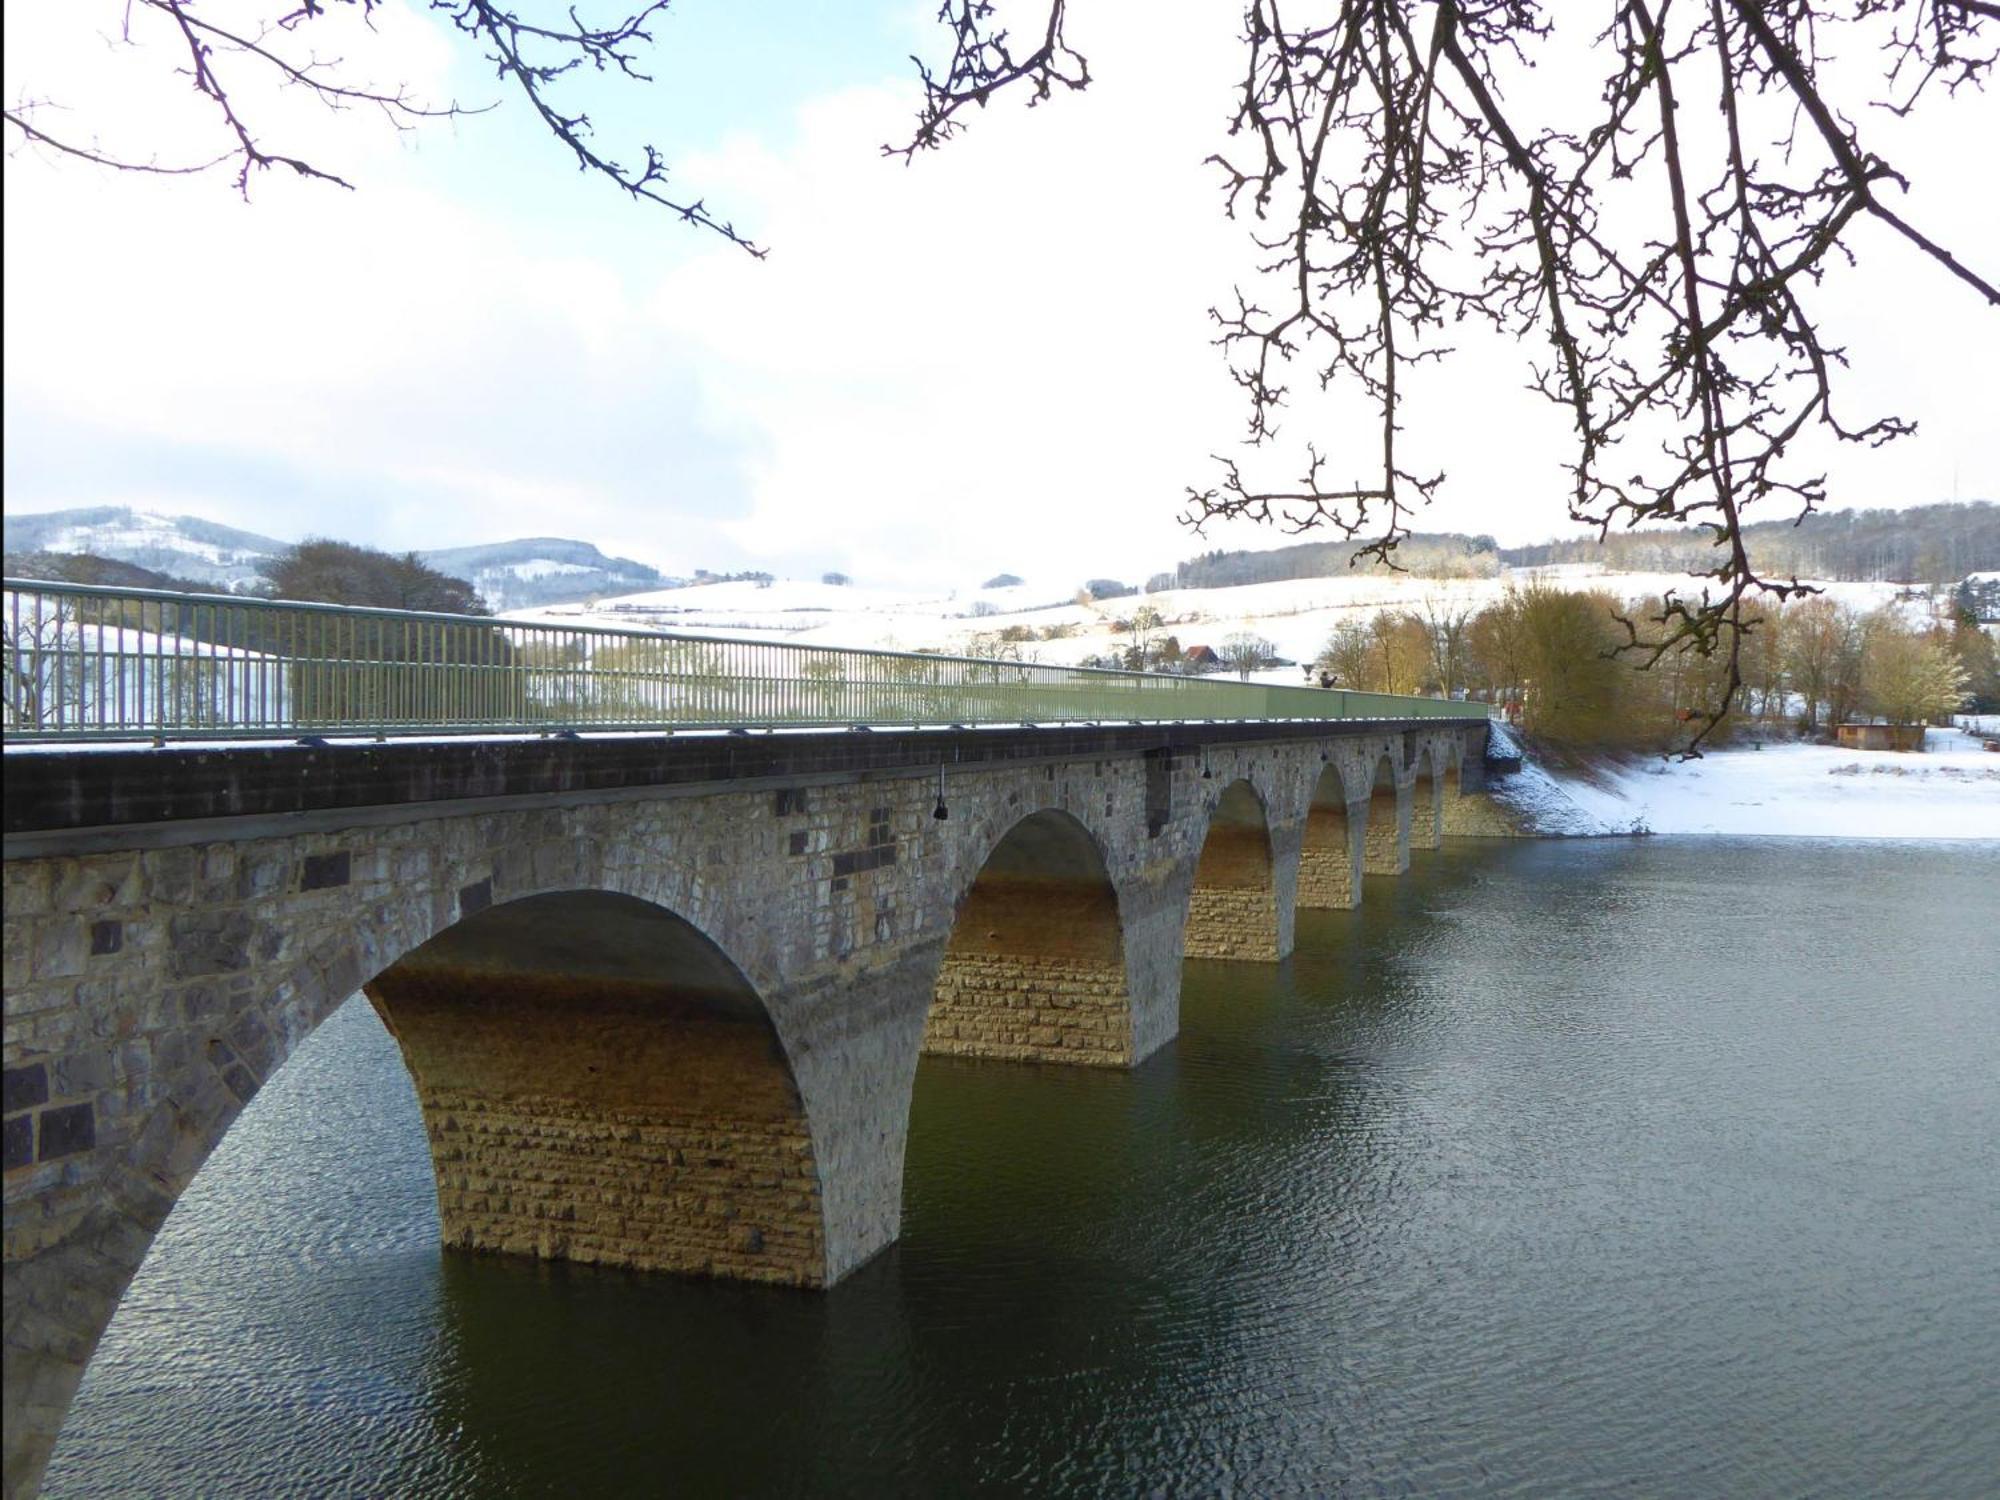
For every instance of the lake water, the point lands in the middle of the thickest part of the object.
(1663, 1166)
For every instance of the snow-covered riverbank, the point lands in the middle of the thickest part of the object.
(1951, 791)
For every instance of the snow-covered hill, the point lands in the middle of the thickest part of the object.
(183, 546)
(542, 570)
(511, 575)
(1042, 622)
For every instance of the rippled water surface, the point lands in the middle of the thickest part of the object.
(1669, 1167)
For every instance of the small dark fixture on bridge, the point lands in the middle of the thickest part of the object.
(940, 812)
(312, 741)
(860, 729)
(739, 729)
(567, 734)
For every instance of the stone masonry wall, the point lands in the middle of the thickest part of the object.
(1388, 843)
(1232, 922)
(1478, 817)
(1232, 909)
(1030, 1007)
(609, 1123)
(1035, 970)
(1326, 862)
(1426, 813)
(150, 992)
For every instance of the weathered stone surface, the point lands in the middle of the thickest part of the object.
(1387, 837)
(25, 1087)
(1330, 857)
(768, 1145)
(1233, 907)
(617, 1122)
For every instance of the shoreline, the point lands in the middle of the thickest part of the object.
(1948, 792)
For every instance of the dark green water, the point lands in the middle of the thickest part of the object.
(1662, 1167)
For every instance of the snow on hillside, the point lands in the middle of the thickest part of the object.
(544, 570)
(184, 546)
(1295, 615)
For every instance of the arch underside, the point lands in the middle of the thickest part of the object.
(1327, 859)
(1424, 802)
(1035, 967)
(1233, 907)
(599, 1084)
(1386, 849)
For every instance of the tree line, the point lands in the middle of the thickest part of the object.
(318, 570)
(1551, 656)
(1932, 545)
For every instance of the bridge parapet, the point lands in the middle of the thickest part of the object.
(92, 663)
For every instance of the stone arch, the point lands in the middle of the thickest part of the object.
(1426, 797)
(601, 1083)
(1387, 842)
(247, 999)
(1330, 857)
(1034, 968)
(1233, 906)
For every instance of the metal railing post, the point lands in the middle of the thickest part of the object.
(87, 662)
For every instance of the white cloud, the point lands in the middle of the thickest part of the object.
(1003, 350)
(995, 358)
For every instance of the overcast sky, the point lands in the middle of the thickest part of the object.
(994, 359)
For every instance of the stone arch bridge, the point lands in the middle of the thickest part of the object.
(663, 998)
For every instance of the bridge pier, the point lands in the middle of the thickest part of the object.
(1387, 843)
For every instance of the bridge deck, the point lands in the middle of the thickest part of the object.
(58, 800)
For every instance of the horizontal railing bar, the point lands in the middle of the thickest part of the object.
(97, 662)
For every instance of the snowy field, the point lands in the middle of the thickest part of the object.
(1951, 791)
(1296, 615)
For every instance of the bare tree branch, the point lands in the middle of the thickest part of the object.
(1393, 188)
(536, 56)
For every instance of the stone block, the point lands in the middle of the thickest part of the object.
(319, 872)
(19, 1141)
(208, 942)
(25, 1087)
(61, 945)
(66, 1130)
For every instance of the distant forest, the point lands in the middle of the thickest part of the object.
(1435, 555)
(1932, 545)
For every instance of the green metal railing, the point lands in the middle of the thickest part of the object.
(91, 663)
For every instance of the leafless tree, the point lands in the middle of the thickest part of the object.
(532, 58)
(1399, 178)
(1660, 236)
